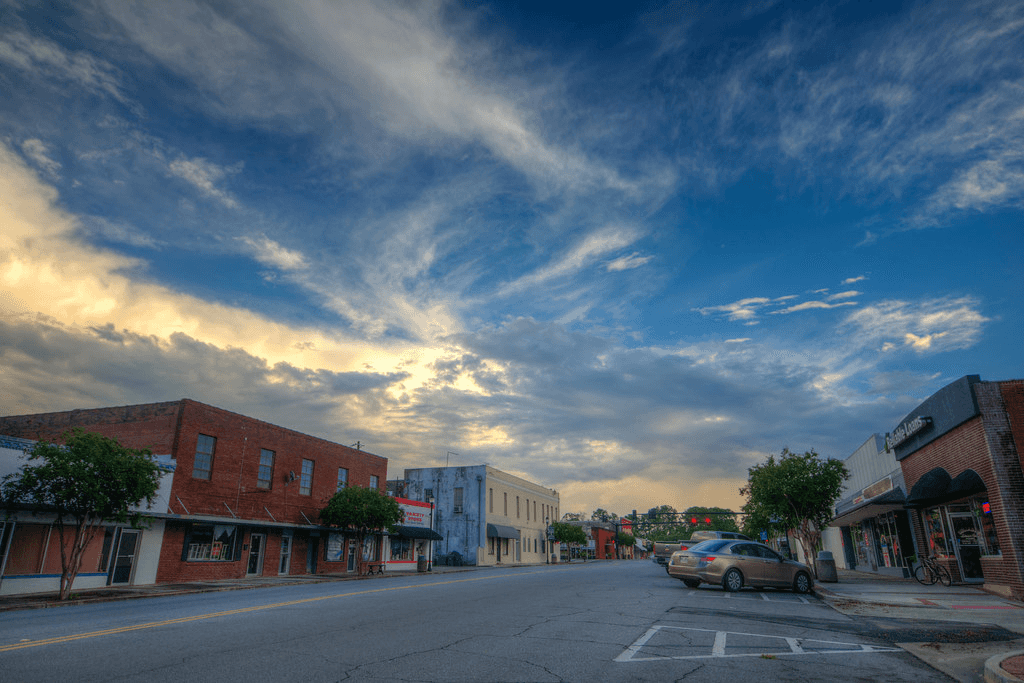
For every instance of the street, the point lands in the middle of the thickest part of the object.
(610, 621)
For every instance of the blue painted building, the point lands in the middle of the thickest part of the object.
(487, 516)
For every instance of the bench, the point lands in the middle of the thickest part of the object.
(374, 568)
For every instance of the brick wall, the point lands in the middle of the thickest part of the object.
(985, 445)
(231, 492)
(150, 425)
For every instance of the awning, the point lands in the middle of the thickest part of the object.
(879, 505)
(936, 486)
(501, 531)
(416, 532)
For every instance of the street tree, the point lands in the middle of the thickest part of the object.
(88, 481)
(570, 534)
(359, 512)
(573, 517)
(602, 515)
(795, 492)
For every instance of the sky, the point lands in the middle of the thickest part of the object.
(625, 251)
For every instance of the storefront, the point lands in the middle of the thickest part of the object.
(959, 453)
(875, 530)
(413, 538)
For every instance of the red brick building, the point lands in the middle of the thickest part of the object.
(245, 496)
(960, 453)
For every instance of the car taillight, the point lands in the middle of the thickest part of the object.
(709, 558)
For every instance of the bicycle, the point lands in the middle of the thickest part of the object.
(930, 571)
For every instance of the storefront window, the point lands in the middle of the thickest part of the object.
(401, 548)
(935, 532)
(213, 543)
(888, 549)
(988, 527)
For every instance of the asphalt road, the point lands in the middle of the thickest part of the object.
(618, 621)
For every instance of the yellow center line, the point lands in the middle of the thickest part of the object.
(213, 615)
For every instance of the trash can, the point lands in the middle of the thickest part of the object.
(421, 563)
(825, 566)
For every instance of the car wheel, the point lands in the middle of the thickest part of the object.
(691, 583)
(733, 580)
(802, 583)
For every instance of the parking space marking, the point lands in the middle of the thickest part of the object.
(780, 597)
(744, 644)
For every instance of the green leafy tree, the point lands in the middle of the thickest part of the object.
(573, 517)
(88, 481)
(796, 492)
(625, 539)
(358, 512)
(569, 533)
(602, 515)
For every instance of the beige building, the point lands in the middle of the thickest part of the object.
(487, 516)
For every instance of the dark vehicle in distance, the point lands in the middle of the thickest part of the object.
(734, 564)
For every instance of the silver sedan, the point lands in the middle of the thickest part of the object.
(734, 564)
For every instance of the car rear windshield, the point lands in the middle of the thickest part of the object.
(709, 546)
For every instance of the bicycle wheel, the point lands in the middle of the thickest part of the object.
(942, 575)
(925, 575)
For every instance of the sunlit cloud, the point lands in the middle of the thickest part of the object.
(634, 260)
(37, 153)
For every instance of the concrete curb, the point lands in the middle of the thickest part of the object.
(995, 673)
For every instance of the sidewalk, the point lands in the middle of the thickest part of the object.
(865, 594)
(112, 593)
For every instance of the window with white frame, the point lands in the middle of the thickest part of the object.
(374, 481)
(265, 474)
(342, 478)
(203, 463)
(457, 501)
(306, 479)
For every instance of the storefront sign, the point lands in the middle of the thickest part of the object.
(905, 431)
(878, 488)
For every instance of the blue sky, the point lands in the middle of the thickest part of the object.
(622, 252)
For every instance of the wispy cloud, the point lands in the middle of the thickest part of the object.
(48, 59)
(929, 326)
(634, 260)
(270, 253)
(38, 153)
(204, 176)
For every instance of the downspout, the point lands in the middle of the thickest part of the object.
(481, 548)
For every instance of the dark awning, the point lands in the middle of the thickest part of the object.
(966, 483)
(936, 487)
(931, 487)
(501, 531)
(887, 502)
(416, 532)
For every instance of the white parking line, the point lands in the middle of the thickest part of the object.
(718, 647)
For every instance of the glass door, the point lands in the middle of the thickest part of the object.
(286, 555)
(351, 556)
(255, 566)
(967, 542)
(124, 558)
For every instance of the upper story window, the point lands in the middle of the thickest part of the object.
(203, 463)
(490, 498)
(306, 480)
(342, 478)
(428, 494)
(457, 503)
(517, 507)
(527, 509)
(374, 481)
(266, 471)
(505, 497)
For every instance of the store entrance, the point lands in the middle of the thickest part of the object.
(967, 543)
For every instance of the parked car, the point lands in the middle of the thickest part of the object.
(734, 564)
(663, 549)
